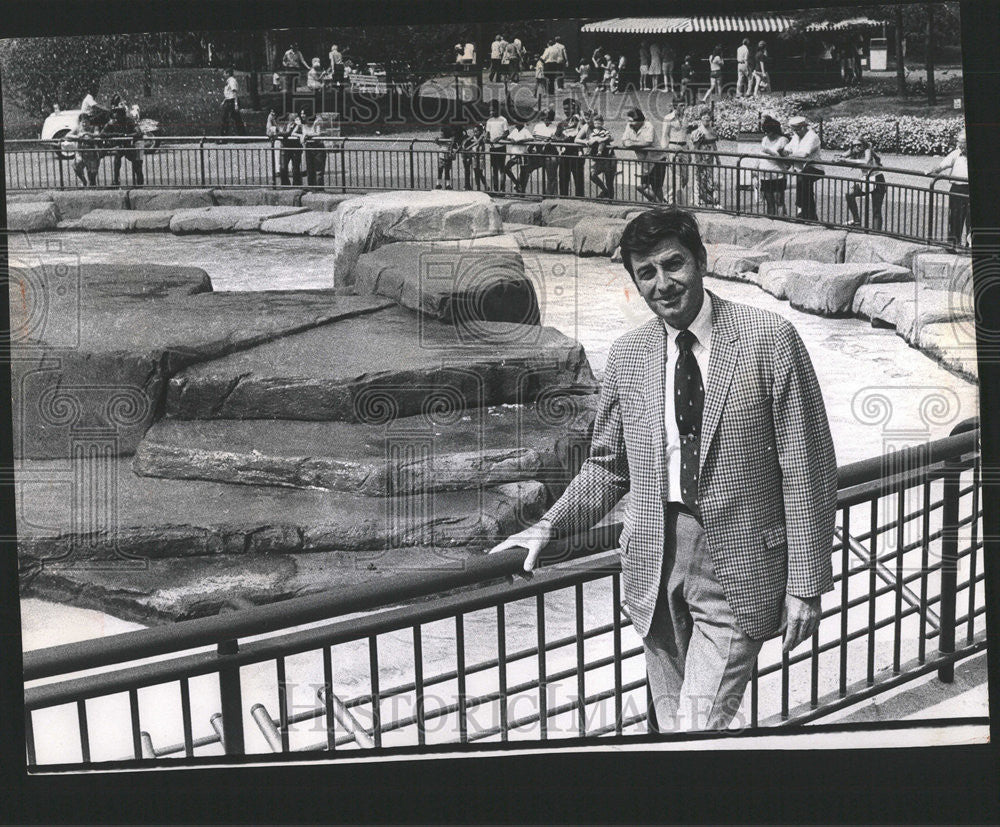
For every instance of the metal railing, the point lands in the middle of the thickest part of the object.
(890, 201)
(495, 657)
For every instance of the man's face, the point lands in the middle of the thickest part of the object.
(635, 124)
(670, 281)
(799, 129)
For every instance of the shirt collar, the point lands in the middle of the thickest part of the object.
(701, 327)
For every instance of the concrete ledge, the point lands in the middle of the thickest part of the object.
(262, 197)
(77, 203)
(32, 217)
(227, 219)
(170, 199)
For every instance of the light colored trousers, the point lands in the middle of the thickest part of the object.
(698, 660)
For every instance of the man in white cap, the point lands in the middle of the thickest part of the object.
(956, 164)
(804, 152)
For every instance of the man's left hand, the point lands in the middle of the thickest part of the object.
(799, 620)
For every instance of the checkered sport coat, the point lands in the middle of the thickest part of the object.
(767, 486)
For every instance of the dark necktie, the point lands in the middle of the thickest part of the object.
(689, 401)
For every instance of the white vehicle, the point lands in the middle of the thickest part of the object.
(64, 121)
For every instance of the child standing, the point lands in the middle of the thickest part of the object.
(450, 140)
(539, 75)
(472, 157)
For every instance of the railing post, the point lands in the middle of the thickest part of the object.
(949, 567)
(231, 698)
(931, 192)
(201, 161)
(868, 198)
(62, 181)
(343, 165)
(739, 184)
(413, 173)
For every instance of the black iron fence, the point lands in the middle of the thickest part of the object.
(894, 202)
(501, 658)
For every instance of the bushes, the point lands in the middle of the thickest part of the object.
(916, 136)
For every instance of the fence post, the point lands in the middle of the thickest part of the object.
(821, 132)
(62, 181)
(231, 698)
(949, 568)
(931, 192)
(739, 184)
(898, 142)
(413, 174)
(201, 160)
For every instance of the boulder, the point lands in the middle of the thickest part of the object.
(364, 223)
(567, 213)
(458, 282)
(814, 244)
(226, 219)
(863, 248)
(772, 277)
(306, 222)
(881, 303)
(325, 201)
(728, 261)
(953, 345)
(517, 211)
(930, 307)
(597, 236)
(548, 239)
(76, 203)
(164, 518)
(742, 231)
(379, 367)
(258, 197)
(112, 335)
(828, 289)
(119, 221)
(485, 447)
(32, 217)
(944, 271)
(170, 199)
(27, 197)
(153, 219)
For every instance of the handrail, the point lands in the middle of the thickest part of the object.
(207, 631)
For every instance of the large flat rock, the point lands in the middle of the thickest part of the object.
(483, 447)
(881, 303)
(772, 277)
(729, 261)
(547, 239)
(100, 356)
(597, 236)
(125, 220)
(517, 211)
(181, 588)
(76, 203)
(165, 518)
(307, 222)
(556, 212)
(814, 244)
(863, 249)
(944, 271)
(367, 222)
(458, 282)
(953, 345)
(828, 289)
(742, 231)
(931, 307)
(258, 197)
(325, 201)
(227, 219)
(28, 197)
(32, 217)
(170, 199)
(376, 368)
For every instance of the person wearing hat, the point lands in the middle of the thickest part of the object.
(804, 152)
(870, 182)
(956, 164)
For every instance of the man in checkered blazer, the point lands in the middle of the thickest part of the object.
(711, 418)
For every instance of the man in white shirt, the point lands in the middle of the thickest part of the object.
(640, 137)
(497, 48)
(804, 152)
(562, 59)
(543, 154)
(956, 164)
(675, 142)
(712, 420)
(231, 105)
(517, 141)
(743, 68)
(496, 130)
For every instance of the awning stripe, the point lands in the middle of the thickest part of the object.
(852, 23)
(674, 25)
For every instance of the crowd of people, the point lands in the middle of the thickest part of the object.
(111, 131)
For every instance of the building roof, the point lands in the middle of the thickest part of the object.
(672, 25)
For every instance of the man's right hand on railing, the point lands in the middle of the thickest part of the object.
(534, 539)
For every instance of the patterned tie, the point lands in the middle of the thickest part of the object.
(689, 402)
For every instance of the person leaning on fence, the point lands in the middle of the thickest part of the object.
(449, 141)
(571, 162)
(517, 141)
(543, 153)
(496, 130)
(712, 420)
(87, 159)
(869, 182)
(705, 142)
(956, 165)
(472, 157)
(772, 170)
(640, 137)
(315, 152)
(675, 140)
(292, 140)
(231, 105)
(272, 130)
(804, 153)
(600, 149)
(122, 133)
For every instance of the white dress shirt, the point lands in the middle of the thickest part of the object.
(701, 327)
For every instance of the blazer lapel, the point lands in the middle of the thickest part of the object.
(721, 364)
(653, 390)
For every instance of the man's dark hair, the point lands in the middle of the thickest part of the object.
(635, 115)
(650, 229)
(494, 108)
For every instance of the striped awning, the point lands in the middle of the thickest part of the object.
(851, 23)
(673, 25)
